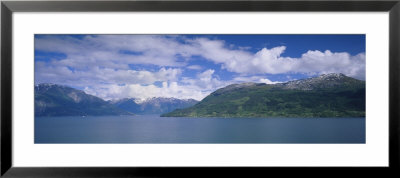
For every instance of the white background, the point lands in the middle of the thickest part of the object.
(373, 153)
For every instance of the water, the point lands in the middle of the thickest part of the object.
(155, 129)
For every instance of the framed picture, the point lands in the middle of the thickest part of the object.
(165, 88)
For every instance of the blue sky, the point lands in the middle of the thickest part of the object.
(190, 66)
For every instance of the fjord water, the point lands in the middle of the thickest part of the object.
(155, 129)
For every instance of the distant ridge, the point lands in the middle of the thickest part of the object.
(327, 95)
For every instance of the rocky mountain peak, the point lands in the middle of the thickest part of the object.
(322, 81)
(332, 76)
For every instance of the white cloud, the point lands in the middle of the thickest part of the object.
(168, 89)
(311, 62)
(270, 61)
(255, 79)
(49, 73)
(267, 81)
(205, 81)
(194, 67)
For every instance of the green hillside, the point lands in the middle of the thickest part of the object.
(331, 95)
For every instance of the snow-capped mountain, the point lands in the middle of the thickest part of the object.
(155, 105)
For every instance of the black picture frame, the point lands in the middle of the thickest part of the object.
(8, 7)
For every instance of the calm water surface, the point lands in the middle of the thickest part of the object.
(155, 129)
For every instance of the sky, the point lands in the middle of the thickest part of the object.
(113, 67)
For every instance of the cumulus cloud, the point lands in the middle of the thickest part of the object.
(270, 61)
(168, 89)
(205, 80)
(267, 81)
(255, 79)
(312, 62)
(95, 75)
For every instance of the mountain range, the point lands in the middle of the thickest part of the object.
(328, 95)
(59, 100)
(155, 105)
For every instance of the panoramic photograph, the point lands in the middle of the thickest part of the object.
(202, 88)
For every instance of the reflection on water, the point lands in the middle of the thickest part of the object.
(155, 129)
